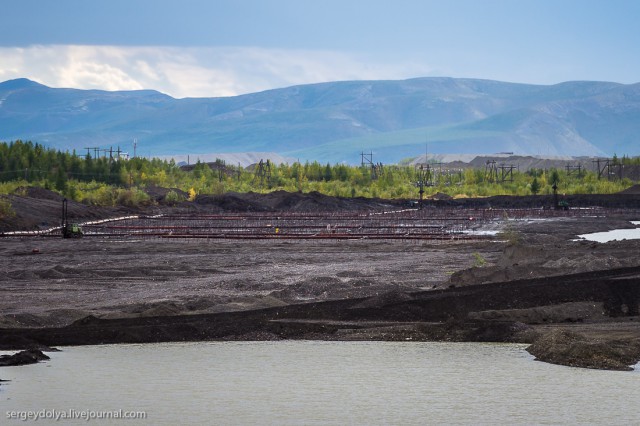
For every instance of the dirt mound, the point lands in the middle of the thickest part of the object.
(491, 274)
(51, 273)
(30, 356)
(315, 201)
(564, 312)
(38, 208)
(517, 254)
(40, 193)
(289, 201)
(312, 201)
(54, 318)
(440, 196)
(626, 200)
(159, 194)
(22, 320)
(231, 202)
(634, 190)
(295, 201)
(573, 349)
(317, 288)
(586, 263)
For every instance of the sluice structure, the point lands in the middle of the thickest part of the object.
(425, 224)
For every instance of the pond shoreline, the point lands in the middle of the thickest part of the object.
(438, 315)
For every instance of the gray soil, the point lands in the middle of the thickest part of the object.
(52, 282)
(69, 279)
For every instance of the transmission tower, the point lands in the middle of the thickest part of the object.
(263, 173)
(491, 171)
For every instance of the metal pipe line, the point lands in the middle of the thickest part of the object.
(429, 224)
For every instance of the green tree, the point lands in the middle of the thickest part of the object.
(328, 173)
(535, 186)
(61, 180)
(554, 178)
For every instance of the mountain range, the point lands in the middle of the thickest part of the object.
(337, 121)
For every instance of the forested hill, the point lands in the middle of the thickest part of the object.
(335, 122)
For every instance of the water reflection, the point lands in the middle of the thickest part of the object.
(305, 382)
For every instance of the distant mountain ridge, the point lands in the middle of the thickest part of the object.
(335, 122)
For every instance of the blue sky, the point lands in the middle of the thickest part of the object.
(207, 48)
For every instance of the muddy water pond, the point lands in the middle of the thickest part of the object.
(615, 234)
(305, 382)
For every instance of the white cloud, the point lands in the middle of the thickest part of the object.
(192, 72)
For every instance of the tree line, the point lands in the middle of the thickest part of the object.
(110, 181)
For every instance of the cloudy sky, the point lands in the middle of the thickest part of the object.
(206, 48)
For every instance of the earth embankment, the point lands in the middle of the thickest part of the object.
(447, 314)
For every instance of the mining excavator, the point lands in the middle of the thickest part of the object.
(69, 230)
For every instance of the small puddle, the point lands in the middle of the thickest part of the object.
(614, 235)
(481, 233)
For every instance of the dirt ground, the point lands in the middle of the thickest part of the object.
(53, 281)
(70, 279)
(133, 290)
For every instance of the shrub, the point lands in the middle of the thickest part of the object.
(478, 260)
(173, 197)
(20, 191)
(6, 209)
(510, 235)
(132, 197)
